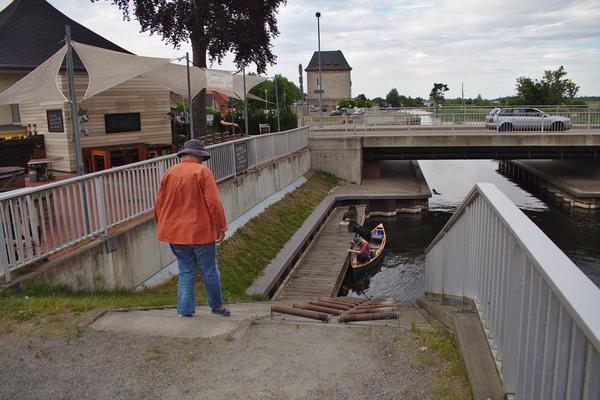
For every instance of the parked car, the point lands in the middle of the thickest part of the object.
(339, 111)
(525, 119)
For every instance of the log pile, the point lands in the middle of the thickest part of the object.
(342, 309)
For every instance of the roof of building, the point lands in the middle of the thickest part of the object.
(31, 31)
(330, 61)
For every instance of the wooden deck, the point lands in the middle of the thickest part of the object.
(319, 272)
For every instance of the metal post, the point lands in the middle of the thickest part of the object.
(73, 100)
(318, 15)
(189, 85)
(277, 103)
(75, 122)
(266, 105)
(245, 103)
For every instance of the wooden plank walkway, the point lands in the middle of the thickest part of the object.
(317, 273)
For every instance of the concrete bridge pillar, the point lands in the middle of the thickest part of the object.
(341, 156)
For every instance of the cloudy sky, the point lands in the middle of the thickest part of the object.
(411, 44)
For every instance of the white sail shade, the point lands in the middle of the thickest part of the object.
(39, 86)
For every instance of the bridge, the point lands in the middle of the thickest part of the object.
(355, 154)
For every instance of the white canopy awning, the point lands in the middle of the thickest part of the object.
(174, 78)
(251, 81)
(108, 68)
(39, 86)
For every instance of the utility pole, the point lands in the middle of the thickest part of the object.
(245, 103)
(318, 15)
(277, 104)
(190, 112)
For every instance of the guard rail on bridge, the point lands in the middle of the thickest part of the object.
(449, 120)
(38, 222)
(539, 310)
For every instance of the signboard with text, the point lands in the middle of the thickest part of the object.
(241, 156)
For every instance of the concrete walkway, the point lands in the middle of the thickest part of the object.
(165, 322)
(399, 179)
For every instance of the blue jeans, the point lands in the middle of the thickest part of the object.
(190, 259)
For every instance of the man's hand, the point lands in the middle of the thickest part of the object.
(220, 237)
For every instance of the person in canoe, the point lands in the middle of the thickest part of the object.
(364, 250)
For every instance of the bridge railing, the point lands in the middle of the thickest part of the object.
(525, 119)
(539, 311)
(36, 223)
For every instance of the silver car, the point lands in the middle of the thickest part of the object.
(525, 119)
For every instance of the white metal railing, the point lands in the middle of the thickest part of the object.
(415, 120)
(539, 311)
(38, 222)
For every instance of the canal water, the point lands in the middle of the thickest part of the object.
(401, 276)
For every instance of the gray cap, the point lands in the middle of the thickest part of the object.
(194, 147)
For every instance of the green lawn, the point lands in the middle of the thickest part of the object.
(241, 259)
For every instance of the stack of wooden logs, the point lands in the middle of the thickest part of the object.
(346, 309)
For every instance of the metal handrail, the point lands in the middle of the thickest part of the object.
(19, 192)
(472, 257)
(38, 222)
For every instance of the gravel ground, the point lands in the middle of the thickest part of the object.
(273, 360)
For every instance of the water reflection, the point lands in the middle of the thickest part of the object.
(401, 276)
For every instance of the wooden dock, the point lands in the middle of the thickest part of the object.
(320, 270)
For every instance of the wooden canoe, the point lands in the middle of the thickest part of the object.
(377, 242)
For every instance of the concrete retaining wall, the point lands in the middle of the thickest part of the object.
(128, 257)
(341, 157)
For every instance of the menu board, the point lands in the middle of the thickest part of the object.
(55, 121)
(241, 156)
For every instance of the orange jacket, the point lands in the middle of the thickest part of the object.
(188, 209)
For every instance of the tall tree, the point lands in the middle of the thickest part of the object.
(553, 88)
(215, 27)
(437, 92)
(393, 97)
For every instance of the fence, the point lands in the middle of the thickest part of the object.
(539, 310)
(450, 119)
(38, 222)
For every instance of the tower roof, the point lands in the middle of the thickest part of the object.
(330, 61)
(33, 30)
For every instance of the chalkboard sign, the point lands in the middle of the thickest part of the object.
(241, 156)
(124, 122)
(55, 121)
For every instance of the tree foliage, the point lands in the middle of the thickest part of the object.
(553, 88)
(215, 28)
(393, 98)
(437, 93)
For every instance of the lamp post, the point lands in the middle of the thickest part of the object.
(318, 15)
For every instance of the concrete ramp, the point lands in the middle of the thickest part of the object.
(165, 322)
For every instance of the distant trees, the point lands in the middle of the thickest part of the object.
(393, 98)
(553, 88)
(437, 93)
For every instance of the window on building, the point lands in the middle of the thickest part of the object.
(15, 113)
(123, 122)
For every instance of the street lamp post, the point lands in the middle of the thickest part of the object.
(318, 15)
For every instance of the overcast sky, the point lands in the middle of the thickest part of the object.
(411, 44)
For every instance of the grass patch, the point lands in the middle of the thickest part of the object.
(452, 381)
(241, 259)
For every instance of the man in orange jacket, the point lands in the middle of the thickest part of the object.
(190, 217)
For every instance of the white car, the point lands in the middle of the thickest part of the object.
(525, 119)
